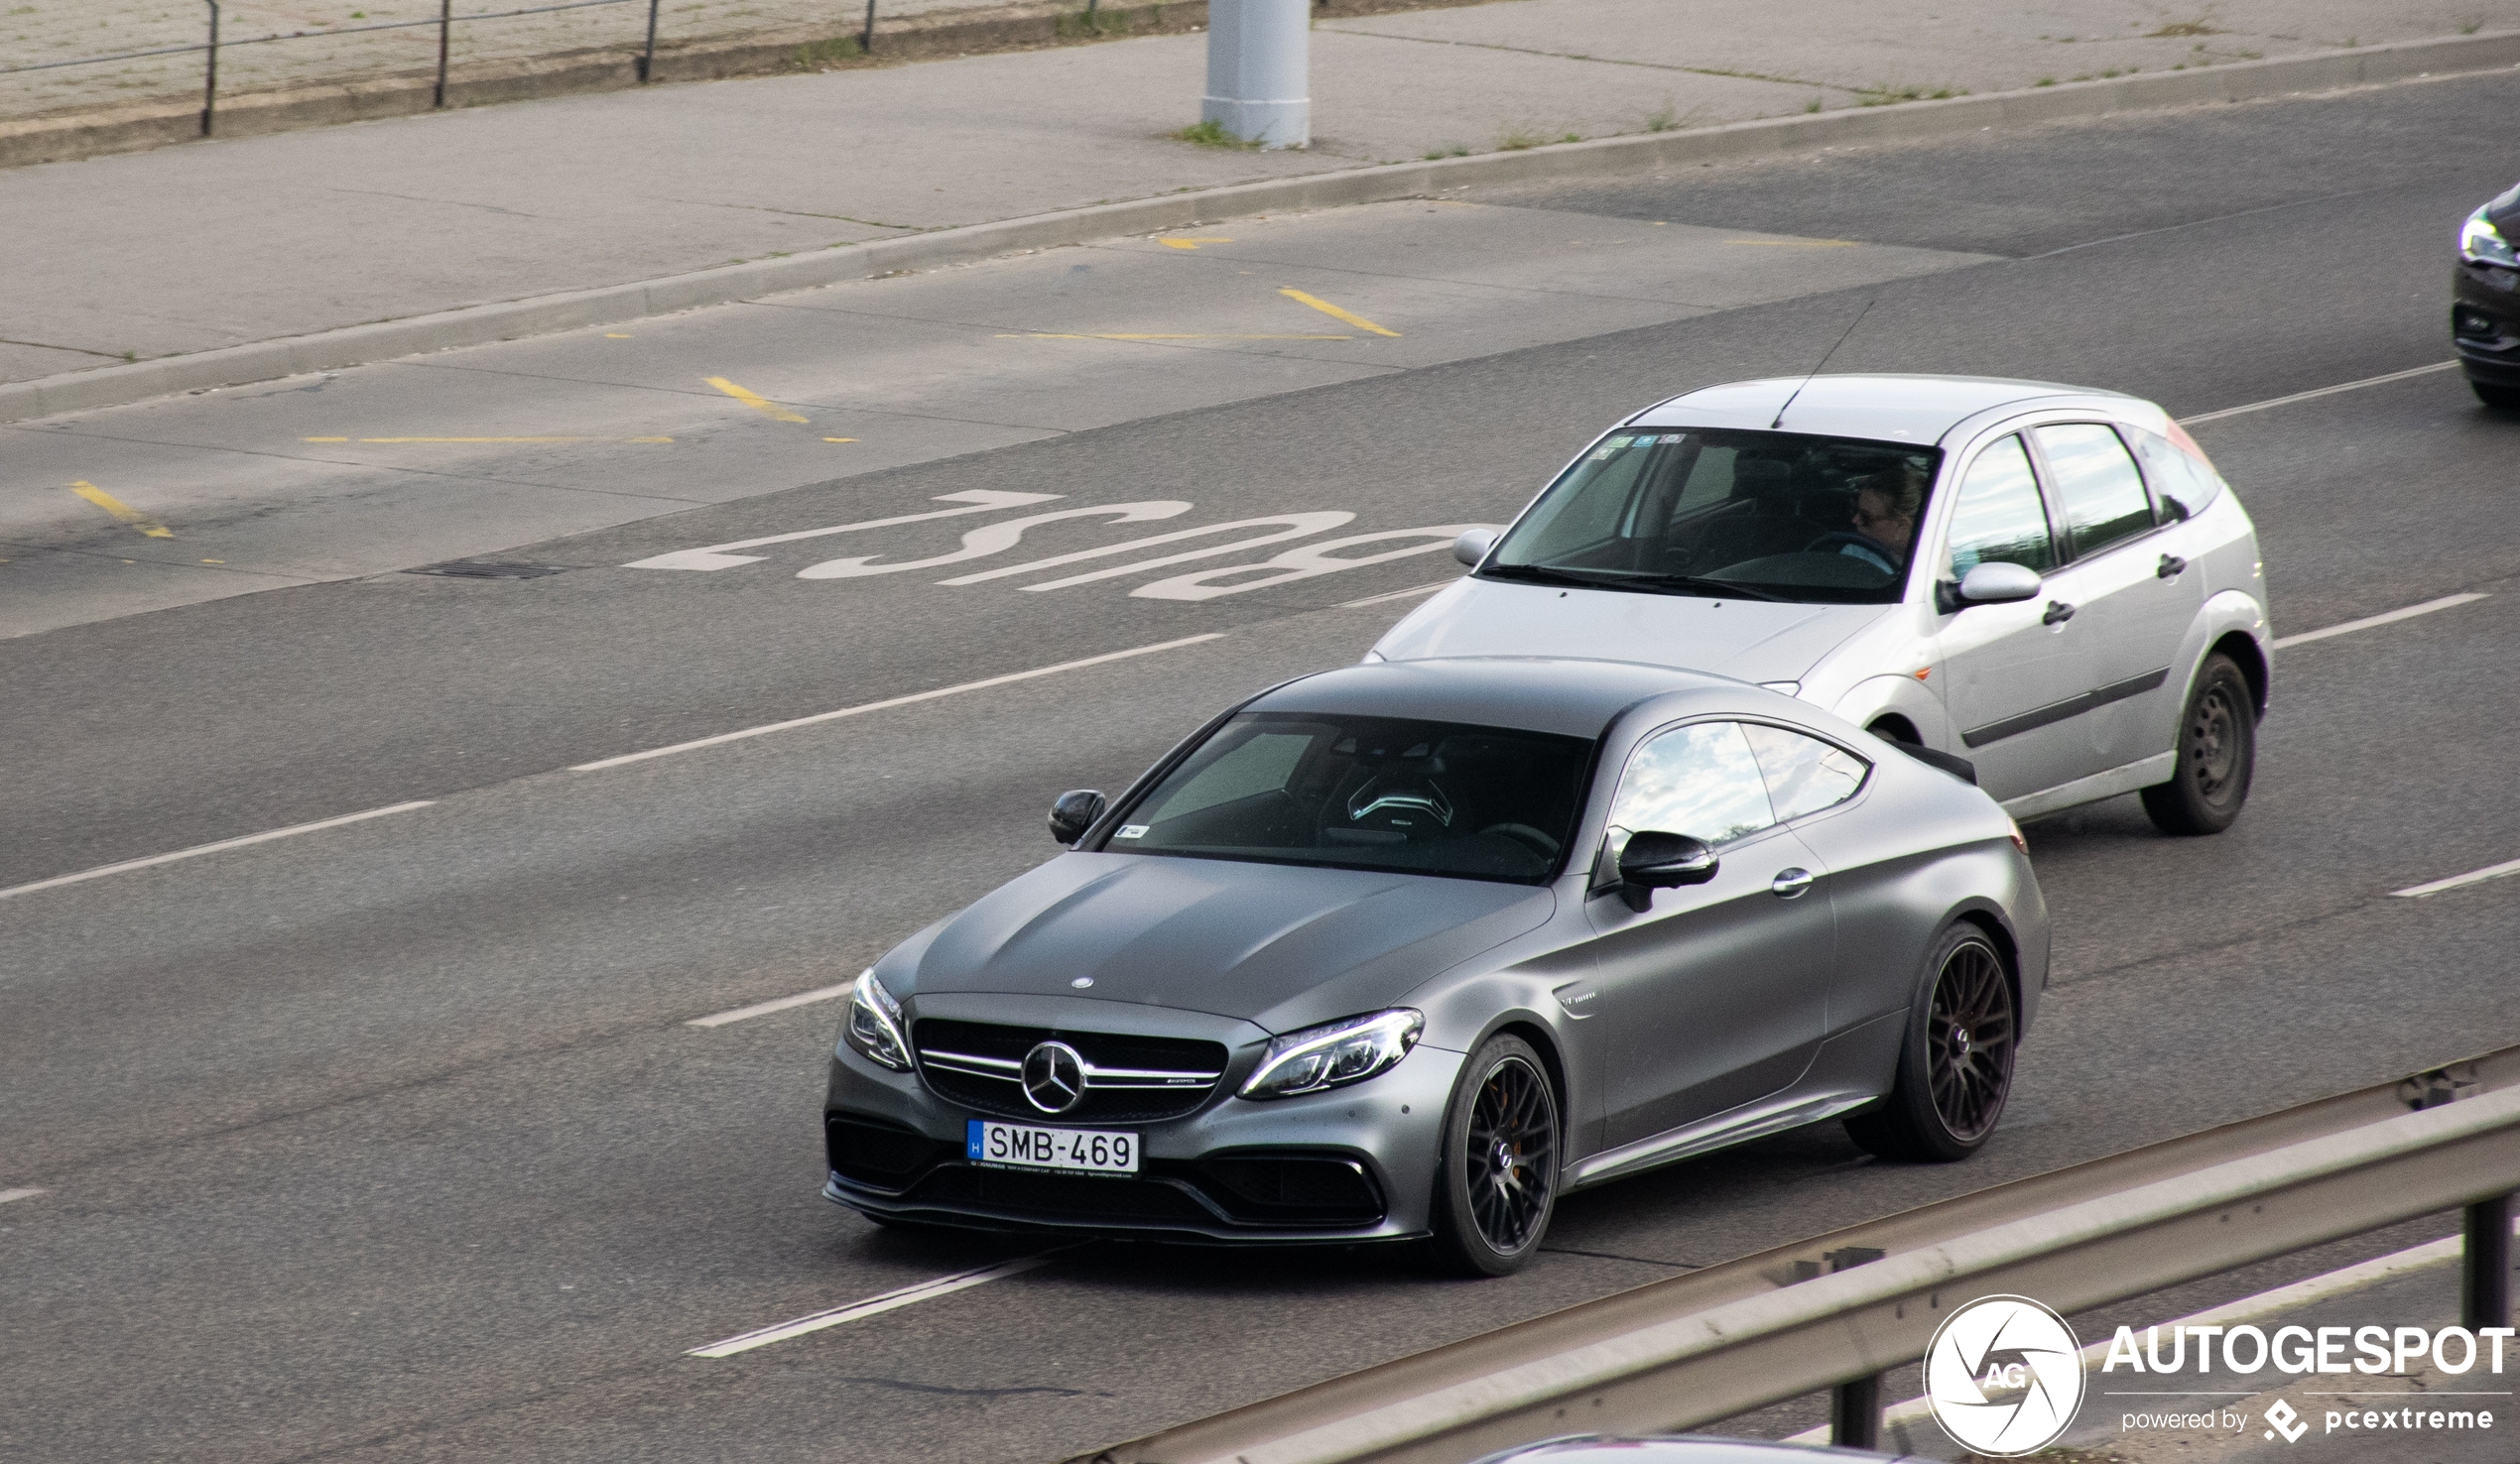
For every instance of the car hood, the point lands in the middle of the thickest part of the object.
(1264, 942)
(1747, 640)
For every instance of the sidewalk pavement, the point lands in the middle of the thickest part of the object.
(221, 243)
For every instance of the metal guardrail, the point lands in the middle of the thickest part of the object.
(1835, 1311)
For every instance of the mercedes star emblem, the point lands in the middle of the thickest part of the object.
(1054, 1077)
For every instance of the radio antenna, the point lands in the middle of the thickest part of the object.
(1823, 362)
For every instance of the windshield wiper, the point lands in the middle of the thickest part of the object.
(1618, 579)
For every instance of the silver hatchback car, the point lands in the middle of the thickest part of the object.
(2049, 581)
(1401, 951)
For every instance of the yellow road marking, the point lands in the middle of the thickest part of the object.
(1798, 243)
(615, 336)
(755, 401)
(1075, 336)
(122, 512)
(839, 440)
(481, 439)
(647, 439)
(1334, 312)
(213, 562)
(1190, 243)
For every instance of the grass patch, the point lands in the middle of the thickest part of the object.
(1213, 134)
(1663, 118)
(2471, 25)
(824, 52)
(1887, 95)
(1812, 105)
(1454, 151)
(2045, 81)
(2197, 27)
(1085, 25)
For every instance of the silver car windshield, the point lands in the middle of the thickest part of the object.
(1367, 792)
(1728, 514)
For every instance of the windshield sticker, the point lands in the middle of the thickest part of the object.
(1131, 832)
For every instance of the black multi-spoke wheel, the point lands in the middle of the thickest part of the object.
(2217, 755)
(1955, 1066)
(1498, 1181)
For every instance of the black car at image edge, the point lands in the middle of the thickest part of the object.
(2484, 322)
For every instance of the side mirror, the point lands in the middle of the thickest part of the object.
(1654, 861)
(1474, 545)
(1073, 813)
(1996, 584)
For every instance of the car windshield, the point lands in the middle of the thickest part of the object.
(1726, 514)
(1367, 792)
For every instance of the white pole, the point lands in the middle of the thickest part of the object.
(1259, 71)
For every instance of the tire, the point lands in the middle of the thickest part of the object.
(2505, 398)
(1956, 1063)
(1496, 1178)
(2217, 755)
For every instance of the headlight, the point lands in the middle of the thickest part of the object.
(1335, 1056)
(874, 1024)
(2479, 242)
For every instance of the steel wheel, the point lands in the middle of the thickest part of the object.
(2216, 750)
(1511, 1159)
(1968, 1040)
(2213, 742)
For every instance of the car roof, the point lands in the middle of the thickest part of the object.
(1883, 406)
(1567, 695)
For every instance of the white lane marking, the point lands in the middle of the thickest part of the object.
(945, 1286)
(1407, 594)
(1303, 561)
(1289, 526)
(764, 1008)
(2365, 623)
(2248, 1309)
(199, 850)
(2472, 877)
(850, 712)
(7, 1195)
(991, 539)
(714, 557)
(2348, 385)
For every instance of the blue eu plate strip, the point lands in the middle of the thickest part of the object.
(971, 1140)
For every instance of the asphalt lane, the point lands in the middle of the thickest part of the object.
(390, 1142)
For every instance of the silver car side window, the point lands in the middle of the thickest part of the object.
(1700, 780)
(1999, 518)
(1803, 774)
(2096, 485)
(2182, 481)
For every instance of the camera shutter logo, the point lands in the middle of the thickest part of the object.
(2005, 1376)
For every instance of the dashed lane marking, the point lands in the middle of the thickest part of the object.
(2329, 390)
(198, 850)
(1009, 678)
(2472, 877)
(754, 400)
(1344, 318)
(1153, 335)
(2384, 618)
(943, 1286)
(27, 1194)
(122, 512)
(764, 1008)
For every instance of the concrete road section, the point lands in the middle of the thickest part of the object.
(393, 1139)
(197, 246)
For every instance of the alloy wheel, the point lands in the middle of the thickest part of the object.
(1512, 1155)
(1969, 1042)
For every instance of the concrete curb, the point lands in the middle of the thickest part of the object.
(114, 386)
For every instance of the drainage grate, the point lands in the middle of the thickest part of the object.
(490, 569)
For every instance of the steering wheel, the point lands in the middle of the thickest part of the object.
(1529, 837)
(1837, 540)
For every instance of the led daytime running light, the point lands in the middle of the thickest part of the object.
(1335, 1055)
(874, 1024)
(2479, 242)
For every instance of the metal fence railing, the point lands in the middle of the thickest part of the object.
(1837, 1311)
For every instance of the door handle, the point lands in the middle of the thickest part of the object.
(2170, 565)
(2057, 611)
(1791, 882)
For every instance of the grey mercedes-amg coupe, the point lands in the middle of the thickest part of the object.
(1408, 950)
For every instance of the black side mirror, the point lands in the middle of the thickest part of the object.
(1654, 861)
(1073, 813)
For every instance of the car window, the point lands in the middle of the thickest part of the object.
(2182, 481)
(1367, 792)
(1701, 779)
(2096, 485)
(1999, 518)
(1803, 774)
(1727, 512)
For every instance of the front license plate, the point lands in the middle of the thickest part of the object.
(1027, 1146)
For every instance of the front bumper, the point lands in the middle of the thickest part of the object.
(1354, 1163)
(2485, 323)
